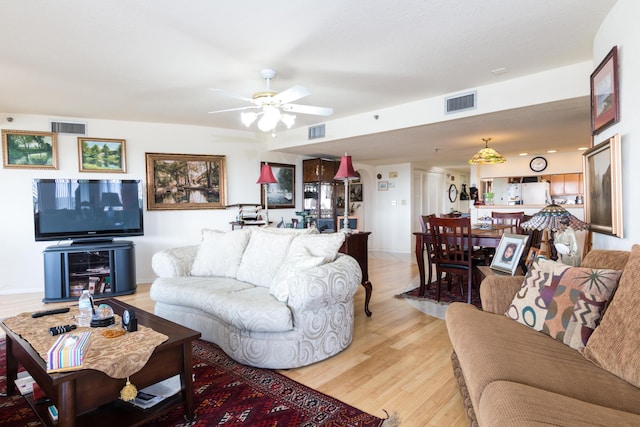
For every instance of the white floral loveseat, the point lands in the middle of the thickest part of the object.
(271, 298)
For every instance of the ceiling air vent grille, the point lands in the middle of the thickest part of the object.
(317, 131)
(75, 128)
(457, 103)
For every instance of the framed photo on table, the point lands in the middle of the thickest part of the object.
(508, 253)
(604, 93)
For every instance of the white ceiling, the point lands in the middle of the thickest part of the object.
(154, 60)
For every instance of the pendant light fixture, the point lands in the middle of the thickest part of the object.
(487, 156)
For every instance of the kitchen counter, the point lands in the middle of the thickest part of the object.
(478, 211)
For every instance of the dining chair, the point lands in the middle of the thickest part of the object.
(425, 224)
(453, 251)
(508, 218)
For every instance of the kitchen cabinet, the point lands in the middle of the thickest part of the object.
(566, 184)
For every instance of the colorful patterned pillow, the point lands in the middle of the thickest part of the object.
(563, 302)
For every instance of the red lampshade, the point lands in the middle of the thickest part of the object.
(266, 175)
(345, 171)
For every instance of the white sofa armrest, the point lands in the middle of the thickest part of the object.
(175, 262)
(325, 285)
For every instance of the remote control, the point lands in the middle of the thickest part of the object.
(48, 312)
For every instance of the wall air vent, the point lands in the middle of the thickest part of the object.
(457, 103)
(317, 131)
(75, 128)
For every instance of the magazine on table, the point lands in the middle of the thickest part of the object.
(156, 393)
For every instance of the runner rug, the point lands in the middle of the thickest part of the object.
(227, 392)
(428, 304)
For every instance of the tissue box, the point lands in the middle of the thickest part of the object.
(68, 352)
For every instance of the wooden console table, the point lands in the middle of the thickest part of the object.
(356, 245)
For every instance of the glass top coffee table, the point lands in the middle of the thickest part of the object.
(89, 397)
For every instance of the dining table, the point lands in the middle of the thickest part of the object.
(481, 235)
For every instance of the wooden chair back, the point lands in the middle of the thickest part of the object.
(425, 222)
(509, 218)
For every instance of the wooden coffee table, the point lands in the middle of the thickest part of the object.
(89, 397)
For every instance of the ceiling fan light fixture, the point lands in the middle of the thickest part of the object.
(248, 117)
(487, 155)
(269, 119)
(288, 120)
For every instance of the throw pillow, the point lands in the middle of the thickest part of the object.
(563, 302)
(290, 267)
(220, 253)
(614, 345)
(319, 245)
(263, 256)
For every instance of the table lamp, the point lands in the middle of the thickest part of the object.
(553, 218)
(266, 178)
(346, 173)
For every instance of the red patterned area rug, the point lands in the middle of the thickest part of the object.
(428, 303)
(226, 393)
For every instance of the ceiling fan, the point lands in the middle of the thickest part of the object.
(273, 107)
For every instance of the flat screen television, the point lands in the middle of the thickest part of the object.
(87, 209)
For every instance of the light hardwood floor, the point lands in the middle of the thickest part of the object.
(399, 360)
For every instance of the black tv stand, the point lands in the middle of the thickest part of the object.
(105, 268)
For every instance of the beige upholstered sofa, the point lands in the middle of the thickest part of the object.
(510, 374)
(271, 298)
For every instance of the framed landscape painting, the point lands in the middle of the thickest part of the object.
(101, 155)
(604, 93)
(603, 187)
(23, 149)
(282, 194)
(186, 181)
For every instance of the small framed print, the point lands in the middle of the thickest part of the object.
(101, 155)
(604, 93)
(383, 185)
(24, 149)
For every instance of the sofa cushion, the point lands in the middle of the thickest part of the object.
(507, 404)
(614, 344)
(318, 245)
(220, 253)
(563, 302)
(247, 307)
(289, 268)
(262, 258)
(492, 347)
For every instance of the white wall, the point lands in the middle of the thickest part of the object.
(392, 227)
(21, 266)
(620, 28)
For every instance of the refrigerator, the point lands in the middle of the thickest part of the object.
(529, 193)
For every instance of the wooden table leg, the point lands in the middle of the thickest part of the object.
(420, 261)
(187, 382)
(11, 366)
(67, 403)
(368, 289)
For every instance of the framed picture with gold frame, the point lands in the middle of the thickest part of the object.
(101, 155)
(23, 149)
(186, 181)
(603, 187)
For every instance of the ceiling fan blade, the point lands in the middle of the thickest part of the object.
(233, 109)
(233, 95)
(292, 94)
(308, 109)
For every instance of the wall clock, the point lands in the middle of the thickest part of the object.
(538, 164)
(453, 193)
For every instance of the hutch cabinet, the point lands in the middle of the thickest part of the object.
(323, 196)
